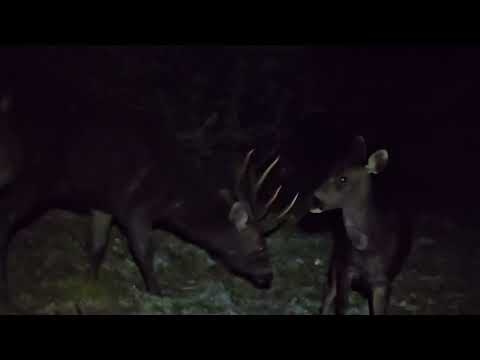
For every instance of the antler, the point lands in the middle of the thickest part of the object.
(241, 175)
(260, 212)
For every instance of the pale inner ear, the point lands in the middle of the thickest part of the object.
(239, 215)
(377, 162)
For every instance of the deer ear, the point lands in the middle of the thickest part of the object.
(358, 151)
(227, 196)
(5, 104)
(377, 162)
(239, 215)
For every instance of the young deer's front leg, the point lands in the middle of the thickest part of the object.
(330, 293)
(344, 283)
(379, 299)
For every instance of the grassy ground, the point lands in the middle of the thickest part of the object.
(49, 275)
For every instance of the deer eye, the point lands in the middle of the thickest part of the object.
(342, 179)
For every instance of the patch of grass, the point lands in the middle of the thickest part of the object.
(49, 273)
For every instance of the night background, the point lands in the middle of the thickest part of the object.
(304, 103)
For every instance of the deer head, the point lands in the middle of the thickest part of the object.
(349, 182)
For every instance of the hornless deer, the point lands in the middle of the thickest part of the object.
(378, 238)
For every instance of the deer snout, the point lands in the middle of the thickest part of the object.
(263, 281)
(317, 206)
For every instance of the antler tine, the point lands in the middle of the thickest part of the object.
(269, 203)
(273, 198)
(241, 174)
(267, 225)
(288, 208)
(265, 174)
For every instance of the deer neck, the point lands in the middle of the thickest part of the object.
(357, 216)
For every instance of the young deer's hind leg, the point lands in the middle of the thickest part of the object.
(100, 230)
(331, 292)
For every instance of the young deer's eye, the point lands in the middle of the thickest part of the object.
(342, 179)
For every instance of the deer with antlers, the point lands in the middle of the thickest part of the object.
(141, 183)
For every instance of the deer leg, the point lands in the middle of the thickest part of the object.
(330, 293)
(139, 230)
(100, 229)
(344, 282)
(17, 205)
(5, 239)
(327, 302)
(379, 298)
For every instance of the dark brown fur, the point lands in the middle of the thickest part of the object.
(127, 170)
(378, 238)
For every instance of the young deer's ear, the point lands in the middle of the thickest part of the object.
(377, 162)
(5, 104)
(227, 196)
(358, 151)
(239, 215)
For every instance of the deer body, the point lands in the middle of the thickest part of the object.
(133, 175)
(378, 239)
